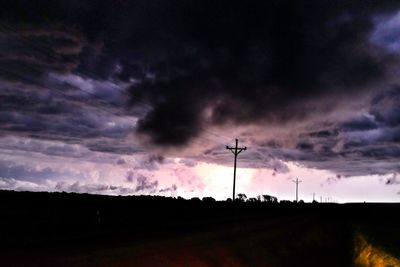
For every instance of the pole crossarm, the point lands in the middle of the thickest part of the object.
(235, 151)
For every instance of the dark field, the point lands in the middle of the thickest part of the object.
(59, 229)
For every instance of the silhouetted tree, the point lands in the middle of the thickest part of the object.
(208, 199)
(241, 197)
(270, 199)
(195, 199)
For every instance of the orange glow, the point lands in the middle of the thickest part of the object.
(370, 256)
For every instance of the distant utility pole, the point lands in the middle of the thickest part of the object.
(236, 151)
(313, 197)
(297, 188)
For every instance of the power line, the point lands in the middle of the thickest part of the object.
(236, 151)
(297, 188)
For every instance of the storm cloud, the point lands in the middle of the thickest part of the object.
(205, 63)
(256, 63)
(309, 82)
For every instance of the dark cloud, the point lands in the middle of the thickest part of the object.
(129, 176)
(24, 173)
(392, 180)
(205, 63)
(363, 144)
(38, 111)
(115, 146)
(256, 62)
(151, 162)
(385, 107)
(121, 161)
(18, 185)
(363, 122)
(171, 189)
(198, 64)
(143, 183)
(155, 159)
(188, 162)
(76, 187)
(305, 146)
(92, 188)
(29, 51)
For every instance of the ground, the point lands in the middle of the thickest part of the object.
(84, 230)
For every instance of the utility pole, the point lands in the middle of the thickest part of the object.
(313, 197)
(297, 188)
(236, 151)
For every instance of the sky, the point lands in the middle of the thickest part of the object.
(142, 97)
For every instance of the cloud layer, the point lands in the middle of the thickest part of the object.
(313, 83)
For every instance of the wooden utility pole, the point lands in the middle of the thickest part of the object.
(297, 188)
(236, 151)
